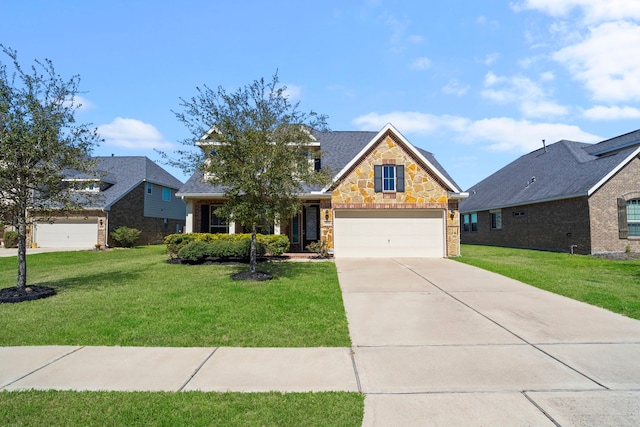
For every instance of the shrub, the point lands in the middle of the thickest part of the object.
(125, 236)
(272, 244)
(319, 247)
(10, 239)
(195, 251)
(276, 244)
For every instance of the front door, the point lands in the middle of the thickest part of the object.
(310, 224)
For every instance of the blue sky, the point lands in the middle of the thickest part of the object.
(477, 83)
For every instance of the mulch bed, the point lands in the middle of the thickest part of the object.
(29, 293)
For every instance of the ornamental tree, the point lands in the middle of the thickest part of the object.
(39, 142)
(255, 144)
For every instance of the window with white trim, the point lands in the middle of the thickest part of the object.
(149, 188)
(388, 178)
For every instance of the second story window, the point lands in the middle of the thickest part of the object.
(166, 194)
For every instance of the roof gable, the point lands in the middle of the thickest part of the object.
(425, 158)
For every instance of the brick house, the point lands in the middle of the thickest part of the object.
(568, 196)
(130, 191)
(388, 198)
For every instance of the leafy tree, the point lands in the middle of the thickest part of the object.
(39, 141)
(256, 146)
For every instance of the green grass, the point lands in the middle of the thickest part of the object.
(611, 284)
(134, 298)
(67, 408)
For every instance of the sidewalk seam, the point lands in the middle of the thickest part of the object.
(545, 413)
(355, 369)
(42, 367)
(195, 372)
(501, 326)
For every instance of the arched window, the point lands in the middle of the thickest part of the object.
(633, 217)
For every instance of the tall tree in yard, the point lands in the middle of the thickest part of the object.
(255, 143)
(39, 141)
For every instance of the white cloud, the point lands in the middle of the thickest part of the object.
(607, 62)
(498, 134)
(293, 92)
(421, 63)
(600, 112)
(529, 95)
(491, 58)
(454, 87)
(132, 134)
(83, 104)
(594, 11)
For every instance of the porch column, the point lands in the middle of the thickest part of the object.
(188, 226)
(232, 227)
(276, 228)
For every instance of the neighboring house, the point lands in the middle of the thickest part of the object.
(568, 196)
(388, 199)
(125, 191)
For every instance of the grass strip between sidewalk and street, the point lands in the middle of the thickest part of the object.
(69, 408)
(133, 297)
(608, 283)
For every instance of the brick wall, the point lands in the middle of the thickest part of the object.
(129, 212)
(551, 226)
(604, 210)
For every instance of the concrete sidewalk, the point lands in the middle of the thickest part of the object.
(435, 342)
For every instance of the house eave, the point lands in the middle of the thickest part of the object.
(615, 170)
(526, 203)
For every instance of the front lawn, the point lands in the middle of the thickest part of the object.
(607, 283)
(133, 297)
(68, 408)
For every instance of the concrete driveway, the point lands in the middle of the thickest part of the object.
(438, 342)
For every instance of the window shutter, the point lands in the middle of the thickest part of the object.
(623, 227)
(400, 178)
(205, 220)
(377, 178)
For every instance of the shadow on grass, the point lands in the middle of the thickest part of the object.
(91, 281)
(283, 269)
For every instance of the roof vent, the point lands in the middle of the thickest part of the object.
(544, 145)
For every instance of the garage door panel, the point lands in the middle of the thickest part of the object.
(389, 233)
(77, 234)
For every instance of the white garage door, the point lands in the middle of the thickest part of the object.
(67, 234)
(388, 233)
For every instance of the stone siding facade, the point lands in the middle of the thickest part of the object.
(423, 190)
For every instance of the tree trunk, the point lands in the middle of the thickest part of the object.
(252, 255)
(22, 255)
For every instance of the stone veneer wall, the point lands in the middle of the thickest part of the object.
(423, 190)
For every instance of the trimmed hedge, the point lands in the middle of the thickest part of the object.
(226, 245)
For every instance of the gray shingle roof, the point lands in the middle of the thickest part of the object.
(338, 148)
(566, 169)
(125, 173)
